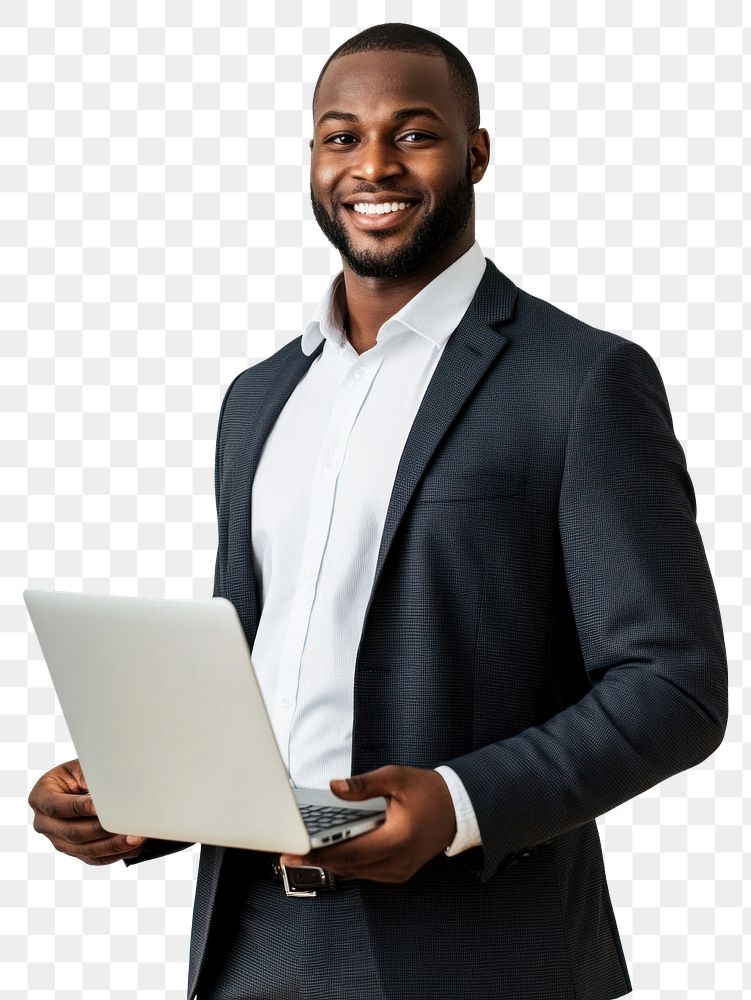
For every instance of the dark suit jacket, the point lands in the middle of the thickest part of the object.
(542, 619)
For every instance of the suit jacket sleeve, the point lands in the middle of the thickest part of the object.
(648, 624)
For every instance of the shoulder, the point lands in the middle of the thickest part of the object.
(250, 385)
(564, 344)
(562, 332)
(259, 375)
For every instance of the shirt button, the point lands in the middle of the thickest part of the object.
(329, 463)
(359, 372)
(285, 703)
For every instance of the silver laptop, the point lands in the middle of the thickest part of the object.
(170, 726)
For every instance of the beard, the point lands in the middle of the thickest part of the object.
(442, 225)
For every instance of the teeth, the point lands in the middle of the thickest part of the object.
(385, 208)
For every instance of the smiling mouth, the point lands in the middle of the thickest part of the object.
(380, 220)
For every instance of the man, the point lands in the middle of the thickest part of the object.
(461, 537)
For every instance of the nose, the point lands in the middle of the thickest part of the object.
(375, 161)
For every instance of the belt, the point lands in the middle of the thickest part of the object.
(305, 880)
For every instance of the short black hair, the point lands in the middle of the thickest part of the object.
(399, 37)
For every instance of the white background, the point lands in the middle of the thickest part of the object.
(156, 238)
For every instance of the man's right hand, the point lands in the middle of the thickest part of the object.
(64, 812)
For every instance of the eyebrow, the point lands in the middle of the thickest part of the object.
(399, 115)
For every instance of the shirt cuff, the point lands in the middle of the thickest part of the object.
(467, 830)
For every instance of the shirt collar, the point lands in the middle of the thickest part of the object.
(434, 312)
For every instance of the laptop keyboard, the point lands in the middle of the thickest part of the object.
(317, 818)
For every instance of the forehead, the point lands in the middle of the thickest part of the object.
(369, 84)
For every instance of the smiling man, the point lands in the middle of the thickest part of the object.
(396, 153)
(461, 537)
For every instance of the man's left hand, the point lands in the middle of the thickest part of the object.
(420, 822)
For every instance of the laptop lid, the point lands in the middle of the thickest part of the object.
(168, 720)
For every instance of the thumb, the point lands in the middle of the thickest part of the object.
(364, 786)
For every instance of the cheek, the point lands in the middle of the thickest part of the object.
(323, 176)
(441, 172)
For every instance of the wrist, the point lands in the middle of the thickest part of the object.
(447, 812)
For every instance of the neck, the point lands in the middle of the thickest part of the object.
(369, 302)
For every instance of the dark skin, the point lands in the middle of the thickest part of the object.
(381, 155)
(436, 164)
(64, 812)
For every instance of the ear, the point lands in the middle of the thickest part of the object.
(479, 154)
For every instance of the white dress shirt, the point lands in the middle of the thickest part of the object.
(319, 502)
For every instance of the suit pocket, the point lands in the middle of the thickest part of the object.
(472, 484)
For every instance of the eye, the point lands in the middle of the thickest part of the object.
(346, 135)
(341, 135)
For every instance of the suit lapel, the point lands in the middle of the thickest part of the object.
(242, 588)
(469, 352)
(285, 381)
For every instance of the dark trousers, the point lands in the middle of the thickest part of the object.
(266, 945)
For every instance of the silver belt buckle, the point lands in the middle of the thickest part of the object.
(290, 891)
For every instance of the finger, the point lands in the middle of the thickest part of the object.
(75, 776)
(385, 869)
(382, 841)
(106, 859)
(113, 845)
(349, 869)
(110, 859)
(368, 849)
(74, 831)
(383, 781)
(64, 805)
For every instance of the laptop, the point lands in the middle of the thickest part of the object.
(171, 729)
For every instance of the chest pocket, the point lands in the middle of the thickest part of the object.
(472, 484)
